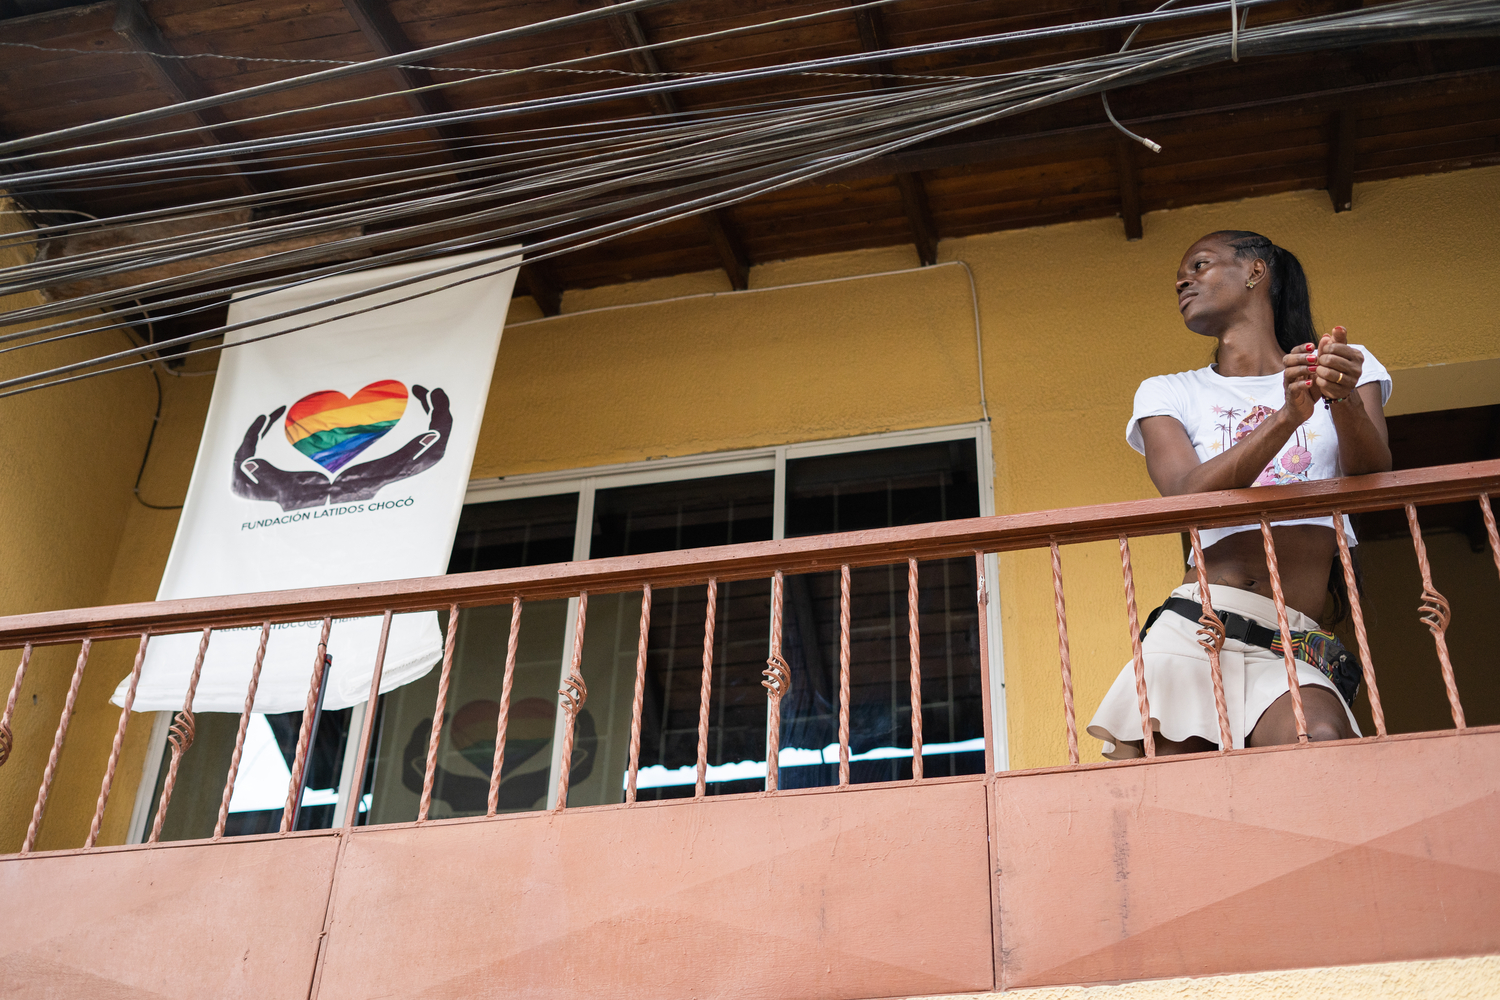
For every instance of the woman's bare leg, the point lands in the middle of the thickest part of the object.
(1166, 747)
(1325, 719)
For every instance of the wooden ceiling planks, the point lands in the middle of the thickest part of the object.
(1229, 132)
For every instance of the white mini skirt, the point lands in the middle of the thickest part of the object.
(1179, 685)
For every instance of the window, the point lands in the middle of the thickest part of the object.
(839, 486)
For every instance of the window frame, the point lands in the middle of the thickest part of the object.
(587, 481)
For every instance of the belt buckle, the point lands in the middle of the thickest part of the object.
(1236, 627)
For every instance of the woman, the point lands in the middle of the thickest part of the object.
(1279, 405)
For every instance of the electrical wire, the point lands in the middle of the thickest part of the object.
(687, 81)
(721, 165)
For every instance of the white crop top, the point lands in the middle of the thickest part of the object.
(1218, 411)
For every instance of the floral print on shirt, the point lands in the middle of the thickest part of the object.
(1291, 466)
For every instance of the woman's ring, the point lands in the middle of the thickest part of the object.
(1340, 379)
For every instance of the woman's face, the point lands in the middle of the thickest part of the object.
(1211, 285)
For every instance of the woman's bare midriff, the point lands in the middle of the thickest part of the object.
(1304, 556)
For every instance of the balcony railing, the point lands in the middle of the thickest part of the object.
(1199, 864)
(710, 567)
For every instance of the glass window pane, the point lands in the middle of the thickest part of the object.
(876, 489)
(661, 517)
(498, 535)
(261, 784)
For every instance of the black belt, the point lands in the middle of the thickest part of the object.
(1236, 627)
(1334, 661)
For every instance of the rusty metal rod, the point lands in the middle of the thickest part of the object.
(1211, 638)
(778, 680)
(1436, 615)
(429, 773)
(1489, 527)
(304, 735)
(983, 599)
(1064, 655)
(367, 728)
(502, 719)
(1132, 615)
(844, 686)
(180, 736)
(1287, 654)
(572, 695)
(7, 739)
(57, 744)
(1351, 584)
(239, 738)
(914, 648)
(705, 688)
(117, 745)
(638, 701)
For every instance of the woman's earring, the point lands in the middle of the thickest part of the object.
(1249, 283)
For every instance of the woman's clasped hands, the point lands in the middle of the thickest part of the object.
(1330, 371)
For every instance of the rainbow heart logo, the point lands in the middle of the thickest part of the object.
(333, 429)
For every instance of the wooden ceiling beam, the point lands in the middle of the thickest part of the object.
(1341, 155)
(722, 233)
(732, 253)
(919, 215)
(1082, 140)
(631, 36)
(386, 37)
(872, 38)
(133, 24)
(540, 282)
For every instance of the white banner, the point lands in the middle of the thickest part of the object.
(332, 455)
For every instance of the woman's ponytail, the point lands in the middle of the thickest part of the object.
(1291, 303)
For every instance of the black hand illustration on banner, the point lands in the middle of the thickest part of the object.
(256, 479)
(468, 795)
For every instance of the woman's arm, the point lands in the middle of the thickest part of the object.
(1173, 463)
(1358, 417)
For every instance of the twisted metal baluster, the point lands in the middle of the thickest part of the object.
(571, 697)
(700, 787)
(180, 736)
(1435, 615)
(502, 721)
(118, 745)
(1352, 586)
(914, 644)
(367, 727)
(304, 737)
(1287, 654)
(844, 686)
(6, 739)
(57, 745)
(982, 599)
(239, 738)
(429, 774)
(1211, 638)
(778, 680)
(1064, 656)
(1148, 738)
(1489, 527)
(638, 702)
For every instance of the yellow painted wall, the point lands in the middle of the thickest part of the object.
(68, 459)
(1073, 318)
(1443, 979)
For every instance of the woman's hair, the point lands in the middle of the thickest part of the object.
(1339, 602)
(1290, 301)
